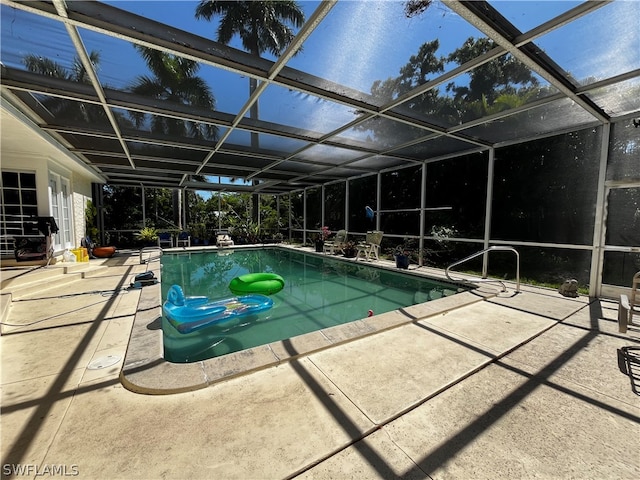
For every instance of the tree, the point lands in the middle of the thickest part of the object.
(500, 84)
(122, 207)
(505, 74)
(174, 79)
(416, 72)
(64, 109)
(46, 66)
(263, 26)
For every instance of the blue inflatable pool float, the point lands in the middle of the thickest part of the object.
(188, 314)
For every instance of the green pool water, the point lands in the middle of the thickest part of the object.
(319, 292)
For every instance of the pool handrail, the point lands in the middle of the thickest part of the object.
(150, 259)
(484, 268)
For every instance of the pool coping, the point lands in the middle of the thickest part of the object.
(146, 371)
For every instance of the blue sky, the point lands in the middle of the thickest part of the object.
(328, 53)
(358, 43)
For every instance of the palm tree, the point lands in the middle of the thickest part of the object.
(68, 110)
(174, 79)
(46, 66)
(263, 26)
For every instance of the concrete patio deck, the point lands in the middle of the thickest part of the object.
(507, 386)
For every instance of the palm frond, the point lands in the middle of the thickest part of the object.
(261, 25)
(45, 66)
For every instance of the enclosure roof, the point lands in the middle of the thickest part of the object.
(362, 87)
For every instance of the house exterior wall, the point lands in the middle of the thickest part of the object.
(24, 149)
(81, 194)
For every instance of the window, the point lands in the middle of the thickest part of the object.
(19, 207)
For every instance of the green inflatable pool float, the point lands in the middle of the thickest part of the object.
(263, 283)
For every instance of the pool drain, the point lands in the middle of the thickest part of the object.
(104, 362)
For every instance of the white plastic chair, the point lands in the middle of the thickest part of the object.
(224, 240)
(370, 248)
(334, 246)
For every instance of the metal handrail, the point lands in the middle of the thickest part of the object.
(150, 258)
(484, 273)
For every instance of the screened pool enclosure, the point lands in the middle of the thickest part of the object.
(461, 124)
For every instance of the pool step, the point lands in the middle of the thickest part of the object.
(24, 279)
(5, 304)
(21, 282)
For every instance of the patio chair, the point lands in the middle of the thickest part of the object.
(371, 246)
(635, 297)
(628, 307)
(332, 247)
(183, 239)
(223, 239)
(165, 239)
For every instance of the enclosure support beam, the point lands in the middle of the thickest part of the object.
(423, 204)
(599, 228)
(219, 211)
(322, 210)
(304, 218)
(144, 207)
(487, 210)
(290, 217)
(346, 205)
(378, 199)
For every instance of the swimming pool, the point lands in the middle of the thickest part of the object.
(319, 292)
